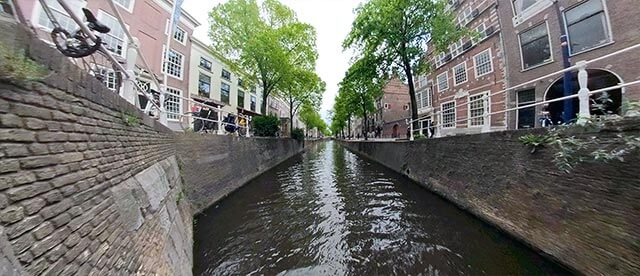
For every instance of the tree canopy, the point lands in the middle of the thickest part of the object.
(265, 40)
(360, 88)
(302, 87)
(396, 34)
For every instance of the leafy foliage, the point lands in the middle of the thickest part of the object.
(304, 88)
(535, 141)
(360, 88)
(15, 67)
(298, 134)
(573, 144)
(311, 118)
(395, 35)
(129, 119)
(266, 125)
(267, 41)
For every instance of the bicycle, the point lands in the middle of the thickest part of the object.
(79, 46)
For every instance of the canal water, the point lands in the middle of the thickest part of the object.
(331, 212)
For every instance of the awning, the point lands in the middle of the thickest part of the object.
(247, 112)
(208, 101)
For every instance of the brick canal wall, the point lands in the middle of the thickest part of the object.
(588, 219)
(80, 190)
(215, 166)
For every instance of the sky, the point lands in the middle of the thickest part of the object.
(332, 20)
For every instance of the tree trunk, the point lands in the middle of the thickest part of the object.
(349, 127)
(265, 94)
(412, 93)
(290, 119)
(366, 125)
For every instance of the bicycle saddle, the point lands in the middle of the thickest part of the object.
(94, 24)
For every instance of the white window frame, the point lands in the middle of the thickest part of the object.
(164, 70)
(475, 63)
(131, 5)
(523, 15)
(482, 30)
(608, 22)
(100, 16)
(480, 96)
(174, 117)
(466, 75)
(185, 34)
(446, 76)
(454, 115)
(522, 54)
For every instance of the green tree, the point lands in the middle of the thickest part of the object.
(397, 32)
(310, 116)
(301, 87)
(361, 87)
(267, 41)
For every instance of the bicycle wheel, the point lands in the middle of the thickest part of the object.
(76, 46)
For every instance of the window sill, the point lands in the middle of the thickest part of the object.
(531, 12)
(537, 66)
(593, 49)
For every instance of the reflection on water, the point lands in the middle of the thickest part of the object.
(330, 212)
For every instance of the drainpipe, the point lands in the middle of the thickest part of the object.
(567, 87)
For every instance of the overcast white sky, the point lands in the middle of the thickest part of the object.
(332, 20)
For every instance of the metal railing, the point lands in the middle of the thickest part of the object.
(583, 96)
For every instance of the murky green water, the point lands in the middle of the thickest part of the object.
(330, 212)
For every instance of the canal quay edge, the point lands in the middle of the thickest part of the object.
(587, 219)
(83, 190)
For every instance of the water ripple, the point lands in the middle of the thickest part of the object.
(329, 212)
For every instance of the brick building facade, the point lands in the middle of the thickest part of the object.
(456, 93)
(532, 31)
(392, 110)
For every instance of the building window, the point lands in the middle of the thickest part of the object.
(460, 73)
(443, 82)
(180, 35)
(481, 30)
(457, 48)
(173, 103)
(173, 65)
(60, 14)
(205, 64)
(526, 116)
(226, 74)
(424, 98)
(520, 6)
(241, 98)
(224, 92)
(253, 103)
(483, 64)
(476, 109)
(115, 39)
(204, 85)
(241, 83)
(587, 26)
(126, 4)
(535, 46)
(108, 77)
(449, 115)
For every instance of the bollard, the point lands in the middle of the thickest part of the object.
(129, 92)
(583, 94)
(486, 117)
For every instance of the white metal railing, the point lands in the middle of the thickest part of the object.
(583, 95)
(220, 123)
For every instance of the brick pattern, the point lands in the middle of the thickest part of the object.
(212, 169)
(63, 147)
(586, 219)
